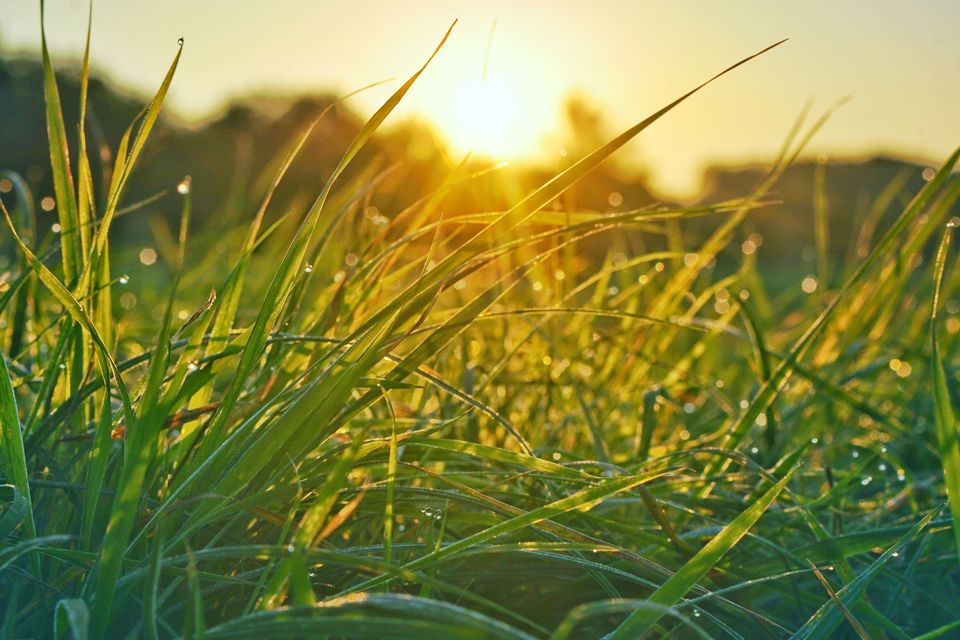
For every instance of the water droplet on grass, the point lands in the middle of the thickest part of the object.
(124, 279)
(184, 187)
(308, 268)
(180, 41)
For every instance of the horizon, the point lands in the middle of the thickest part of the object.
(519, 82)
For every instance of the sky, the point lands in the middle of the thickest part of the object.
(899, 61)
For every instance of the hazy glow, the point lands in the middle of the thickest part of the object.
(487, 120)
(628, 57)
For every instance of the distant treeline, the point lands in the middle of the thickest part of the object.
(233, 150)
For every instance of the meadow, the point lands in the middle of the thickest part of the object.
(335, 421)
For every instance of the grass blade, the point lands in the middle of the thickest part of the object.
(13, 460)
(697, 567)
(945, 421)
(60, 166)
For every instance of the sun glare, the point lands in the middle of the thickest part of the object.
(487, 119)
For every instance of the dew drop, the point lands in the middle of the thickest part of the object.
(814, 440)
(180, 41)
(427, 511)
(62, 366)
(192, 366)
(866, 480)
(953, 222)
(184, 187)
(124, 279)
(308, 268)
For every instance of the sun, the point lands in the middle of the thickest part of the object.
(487, 119)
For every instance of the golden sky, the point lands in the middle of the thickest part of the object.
(900, 62)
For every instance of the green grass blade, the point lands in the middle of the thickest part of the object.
(85, 205)
(945, 421)
(127, 156)
(371, 616)
(71, 620)
(12, 455)
(583, 499)
(139, 452)
(97, 468)
(697, 567)
(822, 625)
(60, 166)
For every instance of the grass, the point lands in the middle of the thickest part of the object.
(473, 429)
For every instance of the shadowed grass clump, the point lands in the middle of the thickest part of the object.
(434, 424)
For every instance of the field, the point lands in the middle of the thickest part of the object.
(332, 421)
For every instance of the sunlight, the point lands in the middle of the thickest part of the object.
(488, 119)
